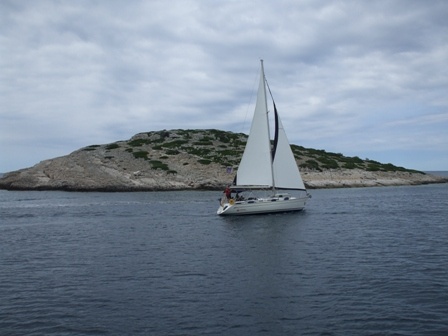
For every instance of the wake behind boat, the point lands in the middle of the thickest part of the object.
(266, 171)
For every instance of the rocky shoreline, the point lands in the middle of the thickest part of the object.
(360, 178)
(185, 160)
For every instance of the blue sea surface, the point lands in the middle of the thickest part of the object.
(364, 261)
(442, 173)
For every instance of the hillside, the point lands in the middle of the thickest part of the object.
(226, 148)
(192, 159)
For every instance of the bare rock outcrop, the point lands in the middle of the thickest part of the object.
(345, 178)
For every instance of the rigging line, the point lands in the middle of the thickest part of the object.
(269, 89)
(249, 105)
(275, 118)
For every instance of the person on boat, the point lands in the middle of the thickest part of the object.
(239, 197)
(228, 192)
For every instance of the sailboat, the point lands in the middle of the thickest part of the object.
(267, 172)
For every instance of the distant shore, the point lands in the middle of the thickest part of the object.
(360, 178)
(195, 160)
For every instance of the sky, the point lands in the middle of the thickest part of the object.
(361, 78)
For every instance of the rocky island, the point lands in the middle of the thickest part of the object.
(193, 159)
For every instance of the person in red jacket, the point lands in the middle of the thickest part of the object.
(228, 192)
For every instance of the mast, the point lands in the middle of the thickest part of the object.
(267, 118)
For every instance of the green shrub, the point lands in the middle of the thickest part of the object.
(141, 155)
(349, 165)
(355, 160)
(312, 151)
(91, 147)
(373, 167)
(155, 164)
(203, 143)
(311, 164)
(328, 163)
(139, 142)
(174, 144)
(221, 135)
(112, 146)
(229, 152)
(197, 151)
(164, 134)
(391, 167)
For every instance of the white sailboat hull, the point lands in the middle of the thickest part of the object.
(262, 206)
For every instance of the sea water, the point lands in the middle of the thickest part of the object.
(364, 261)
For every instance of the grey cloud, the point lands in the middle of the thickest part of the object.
(341, 72)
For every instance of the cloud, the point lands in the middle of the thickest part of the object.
(349, 76)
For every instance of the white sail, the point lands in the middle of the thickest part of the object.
(286, 172)
(263, 167)
(255, 168)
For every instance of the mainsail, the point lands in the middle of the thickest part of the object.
(255, 168)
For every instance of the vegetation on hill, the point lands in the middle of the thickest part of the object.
(225, 148)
